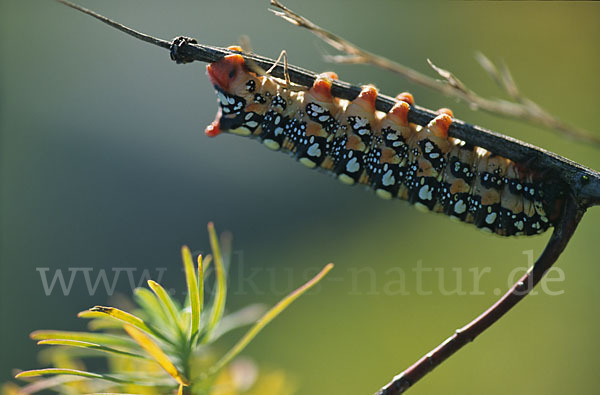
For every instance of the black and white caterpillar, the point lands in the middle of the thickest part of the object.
(384, 151)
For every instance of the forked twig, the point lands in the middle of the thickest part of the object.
(558, 241)
(522, 108)
(583, 184)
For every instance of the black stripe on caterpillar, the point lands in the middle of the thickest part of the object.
(384, 151)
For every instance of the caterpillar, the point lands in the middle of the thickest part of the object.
(360, 145)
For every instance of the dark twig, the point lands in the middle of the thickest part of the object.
(560, 237)
(583, 182)
(118, 26)
(521, 108)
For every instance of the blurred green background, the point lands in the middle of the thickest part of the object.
(104, 164)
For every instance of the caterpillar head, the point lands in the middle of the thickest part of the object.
(234, 85)
(228, 73)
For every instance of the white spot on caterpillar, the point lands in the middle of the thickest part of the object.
(352, 166)
(278, 131)
(490, 218)
(388, 179)
(460, 207)
(425, 193)
(248, 116)
(360, 122)
(434, 155)
(323, 118)
(428, 147)
(316, 108)
(222, 98)
(314, 150)
(252, 124)
(519, 225)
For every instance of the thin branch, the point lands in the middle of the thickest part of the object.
(560, 237)
(118, 26)
(522, 108)
(583, 182)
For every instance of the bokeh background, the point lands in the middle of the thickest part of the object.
(104, 164)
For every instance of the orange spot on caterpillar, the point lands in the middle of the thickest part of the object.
(222, 72)
(512, 202)
(459, 185)
(439, 125)
(406, 97)
(399, 113)
(497, 163)
(425, 168)
(330, 74)
(235, 48)
(388, 155)
(327, 163)
(213, 129)
(321, 89)
(446, 111)
(355, 143)
(489, 197)
(255, 107)
(314, 129)
(366, 98)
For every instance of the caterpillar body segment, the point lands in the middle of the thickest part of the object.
(322, 111)
(353, 138)
(360, 145)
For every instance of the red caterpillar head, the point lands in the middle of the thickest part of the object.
(227, 73)
(235, 86)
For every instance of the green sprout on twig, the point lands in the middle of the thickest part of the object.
(164, 346)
